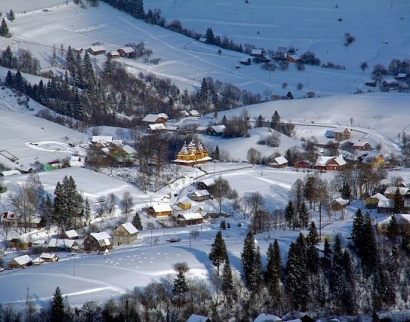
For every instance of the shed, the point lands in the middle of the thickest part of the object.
(20, 262)
(125, 234)
(49, 257)
(96, 50)
(184, 204)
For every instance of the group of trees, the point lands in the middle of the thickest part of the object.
(363, 275)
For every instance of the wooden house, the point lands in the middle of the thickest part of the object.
(279, 162)
(245, 61)
(192, 154)
(403, 221)
(125, 234)
(333, 163)
(342, 134)
(12, 219)
(204, 184)
(292, 58)
(58, 244)
(380, 202)
(189, 218)
(155, 118)
(362, 146)
(184, 204)
(126, 52)
(97, 242)
(20, 262)
(257, 53)
(49, 257)
(200, 195)
(303, 164)
(216, 130)
(96, 50)
(371, 83)
(113, 54)
(160, 210)
(339, 204)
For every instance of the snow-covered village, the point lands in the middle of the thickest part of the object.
(188, 160)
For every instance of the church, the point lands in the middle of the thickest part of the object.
(192, 154)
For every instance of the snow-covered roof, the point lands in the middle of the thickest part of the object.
(127, 50)
(161, 207)
(218, 128)
(130, 228)
(263, 317)
(10, 172)
(96, 48)
(128, 149)
(71, 233)
(324, 160)
(23, 260)
(150, 118)
(341, 201)
(101, 139)
(400, 218)
(281, 160)
(156, 126)
(69, 243)
(101, 236)
(392, 190)
(256, 51)
(191, 215)
(201, 193)
(48, 255)
(194, 113)
(197, 318)
(341, 129)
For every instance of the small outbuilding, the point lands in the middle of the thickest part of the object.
(49, 257)
(160, 210)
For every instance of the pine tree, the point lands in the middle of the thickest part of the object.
(297, 278)
(136, 221)
(4, 29)
(303, 215)
(248, 257)
(180, 288)
(273, 268)
(312, 253)
(275, 120)
(87, 209)
(290, 215)
(357, 229)
(368, 250)
(255, 283)
(57, 307)
(398, 202)
(227, 285)
(11, 15)
(217, 154)
(218, 253)
(393, 230)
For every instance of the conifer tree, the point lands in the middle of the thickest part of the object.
(255, 282)
(312, 254)
(357, 229)
(272, 275)
(227, 285)
(217, 154)
(11, 15)
(327, 257)
(218, 253)
(398, 202)
(393, 230)
(248, 257)
(297, 278)
(136, 221)
(290, 215)
(303, 215)
(57, 307)
(180, 288)
(4, 29)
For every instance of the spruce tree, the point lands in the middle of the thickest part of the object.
(255, 282)
(136, 221)
(327, 257)
(393, 230)
(227, 285)
(272, 275)
(368, 250)
(357, 229)
(297, 278)
(57, 307)
(217, 154)
(398, 202)
(218, 253)
(4, 29)
(303, 215)
(290, 215)
(11, 15)
(312, 253)
(248, 257)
